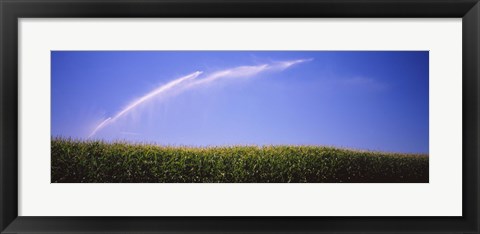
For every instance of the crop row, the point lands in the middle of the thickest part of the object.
(75, 161)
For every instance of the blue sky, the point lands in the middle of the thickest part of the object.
(356, 99)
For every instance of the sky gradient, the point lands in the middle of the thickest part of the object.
(358, 99)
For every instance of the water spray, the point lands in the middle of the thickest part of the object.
(186, 82)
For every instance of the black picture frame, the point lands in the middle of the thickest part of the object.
(12, 10)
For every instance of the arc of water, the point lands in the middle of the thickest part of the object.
(241, 71)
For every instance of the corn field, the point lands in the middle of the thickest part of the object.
(76, 161)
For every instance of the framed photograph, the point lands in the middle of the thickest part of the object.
(239, 116)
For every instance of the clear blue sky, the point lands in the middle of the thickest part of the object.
(357, 99)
